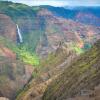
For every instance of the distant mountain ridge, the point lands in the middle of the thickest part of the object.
(72, 12)
(35, 25)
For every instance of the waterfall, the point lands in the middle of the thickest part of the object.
(19, 34)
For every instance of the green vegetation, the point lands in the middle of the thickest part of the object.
(87, 46)
(78, 50)
(25, 17)
(15, 10)
(82, 74)
(27, 57)
(31, 40)
(22, 53)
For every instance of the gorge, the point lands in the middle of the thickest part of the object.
(49, 53)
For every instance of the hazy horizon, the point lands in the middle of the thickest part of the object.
(58, 3)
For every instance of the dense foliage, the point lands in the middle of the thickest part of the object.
(22, 53)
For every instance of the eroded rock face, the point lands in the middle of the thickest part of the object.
(81, 75)
(87, 18)
(35, 89)
(59, 29)
(7, 27)
(6, 52)
(13, 76)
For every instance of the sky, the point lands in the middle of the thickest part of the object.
(59, 2)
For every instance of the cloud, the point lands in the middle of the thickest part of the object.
(60, 2)
(45, 2)
(85, 2)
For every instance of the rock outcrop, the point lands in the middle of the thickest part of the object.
(7, 27)
(6, 52)
(54, 65)
(82, 75)
(13, 76)
(57, 38)
(42, 29)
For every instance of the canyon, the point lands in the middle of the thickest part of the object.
(42, 51)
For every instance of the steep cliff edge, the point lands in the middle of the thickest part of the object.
(7, 27)
(50, 68)
(81, 75)
(14, 74)
(42, 30)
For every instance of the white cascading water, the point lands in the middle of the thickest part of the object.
(19, 34)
